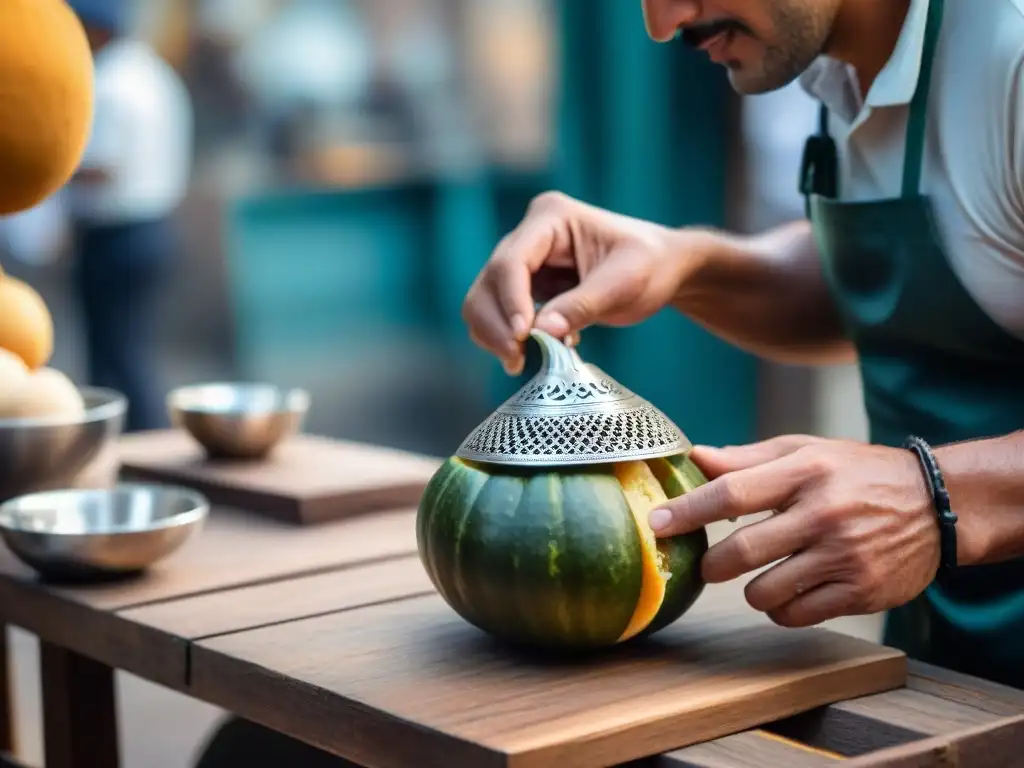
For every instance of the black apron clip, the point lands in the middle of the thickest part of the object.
(819, 167)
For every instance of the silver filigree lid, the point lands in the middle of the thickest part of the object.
(570, 413)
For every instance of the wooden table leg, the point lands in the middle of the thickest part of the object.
(79, 710)
(6, 696)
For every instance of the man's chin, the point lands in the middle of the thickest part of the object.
(747, 83)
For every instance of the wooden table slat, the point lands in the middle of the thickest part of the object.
(235, 550)
(998, 744)
(750, 749)
(246, 608)
(96, 634)
(867, 724)
(972, 691)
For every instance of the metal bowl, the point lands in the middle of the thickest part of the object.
(83, 534)
(40, 453)
(238, 421)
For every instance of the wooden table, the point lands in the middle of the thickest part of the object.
(221, 620)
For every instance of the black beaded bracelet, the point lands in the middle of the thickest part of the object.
(940, 497)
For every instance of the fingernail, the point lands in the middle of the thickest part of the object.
(513, 367)
(554, 323)
(519, 327)
(660, 519)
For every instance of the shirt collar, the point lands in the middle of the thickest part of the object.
(830, 81)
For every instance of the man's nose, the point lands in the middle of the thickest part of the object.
(665, 17)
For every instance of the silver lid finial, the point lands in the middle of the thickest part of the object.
(572, 413)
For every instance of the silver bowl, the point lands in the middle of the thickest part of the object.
(40, 453)
(238, 421)
(83, 534)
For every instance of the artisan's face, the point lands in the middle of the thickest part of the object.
(765, 44)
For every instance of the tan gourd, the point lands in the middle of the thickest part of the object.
(46, 100)
(48, 393)
(26, 326)
(14, 375)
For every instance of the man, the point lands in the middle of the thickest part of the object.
(122, 201)
(911, 263)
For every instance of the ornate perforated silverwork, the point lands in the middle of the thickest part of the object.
(572, 413)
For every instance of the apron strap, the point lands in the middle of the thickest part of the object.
(819, 168)
(917, 120)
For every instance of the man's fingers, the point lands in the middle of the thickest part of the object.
(536, 242)
(774, 485)
(794, 577)
(499, 308)
(489, 329)
(829, 601)
(720, 461)
(756, 545)
(611, 285)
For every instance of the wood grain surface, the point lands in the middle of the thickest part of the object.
(413, 675)
(233, 551)
(235, 610)
(750, 749)
(865, 725)
(308, 480)
(998, 744)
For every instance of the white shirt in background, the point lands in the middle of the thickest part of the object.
(142, 136)
(974, 154)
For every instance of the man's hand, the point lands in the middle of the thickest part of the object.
(585, 265)
(854, 526)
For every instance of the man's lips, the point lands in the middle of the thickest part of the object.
(707, 43)
(712, 36)
(718, 46)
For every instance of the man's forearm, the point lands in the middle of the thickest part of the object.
(985, 479)
(767, 295)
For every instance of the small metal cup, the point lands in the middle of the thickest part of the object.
(100, 533)
(238, 421)
(50, 452)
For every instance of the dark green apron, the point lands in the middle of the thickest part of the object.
(933, 364)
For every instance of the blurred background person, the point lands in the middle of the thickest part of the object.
(122, 204)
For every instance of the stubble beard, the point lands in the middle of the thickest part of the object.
(803, 37)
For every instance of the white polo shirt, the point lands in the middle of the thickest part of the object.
(142, 136)
(974, 153)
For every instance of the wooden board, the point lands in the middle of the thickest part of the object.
(413, 675)
(308, 480)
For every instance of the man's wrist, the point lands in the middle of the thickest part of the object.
(985, 480)
(939, 502)
(704, 259)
